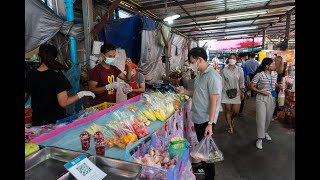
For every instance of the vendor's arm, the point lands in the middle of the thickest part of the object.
(181, 90)
(142, 84)
(142, 88)
(97, 90)
(126, 77)
(64, 100)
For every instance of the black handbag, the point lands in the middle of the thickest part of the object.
(231, 93)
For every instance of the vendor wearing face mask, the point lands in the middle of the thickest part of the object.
(102, 78)
(233, 81)
(136, 82)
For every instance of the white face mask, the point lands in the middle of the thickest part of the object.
(194, 67)
(133, 72)
(232, 61)
(239, 64)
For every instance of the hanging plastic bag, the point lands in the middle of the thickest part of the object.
(281, 98)
(207, 151)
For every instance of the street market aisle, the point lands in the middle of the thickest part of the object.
(243, 161)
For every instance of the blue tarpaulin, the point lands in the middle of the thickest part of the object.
(124, 33)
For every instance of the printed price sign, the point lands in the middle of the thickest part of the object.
(83, 169)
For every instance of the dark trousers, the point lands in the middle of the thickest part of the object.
(276, 109)
(208, 168)
(242, 105)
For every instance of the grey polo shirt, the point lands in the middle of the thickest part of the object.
(209, 82)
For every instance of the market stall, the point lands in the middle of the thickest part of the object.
(171, 127)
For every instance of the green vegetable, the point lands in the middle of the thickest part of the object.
(30, 148)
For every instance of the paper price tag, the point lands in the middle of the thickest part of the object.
(83, 169)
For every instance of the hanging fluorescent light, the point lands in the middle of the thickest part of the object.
(242, 14)
(240, 29)
(171, 16)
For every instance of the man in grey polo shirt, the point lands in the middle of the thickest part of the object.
(206, 99)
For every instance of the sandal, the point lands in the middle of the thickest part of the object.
(230, 130)
(232, 124)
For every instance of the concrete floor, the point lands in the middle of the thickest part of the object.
(243, 161)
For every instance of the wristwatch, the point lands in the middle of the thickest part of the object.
(210, 122)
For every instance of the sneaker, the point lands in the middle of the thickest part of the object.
(259, 144)
(268, 137)
(198, 171)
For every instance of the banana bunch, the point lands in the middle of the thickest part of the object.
(161, 115)
(149, 114)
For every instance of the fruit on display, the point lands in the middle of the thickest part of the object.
(157, 158)
(161, 115)
(140, 130)
(149, 114)
(30, 148)
(142, 119)
(176, 104)
(94, 128)
(169, 108)
(109, 142)
(85, 140)
(130, 138)
(132, 108)
(97, 136)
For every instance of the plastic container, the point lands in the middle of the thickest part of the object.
(158, 173)
(102, 106)
(177, 148)
(85, 140)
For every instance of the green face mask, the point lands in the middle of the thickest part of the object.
(109, 61)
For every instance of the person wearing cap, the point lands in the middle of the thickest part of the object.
(137, 81)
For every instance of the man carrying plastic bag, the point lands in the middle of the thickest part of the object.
(206, 99)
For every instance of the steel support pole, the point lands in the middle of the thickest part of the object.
(88, 25)
(287, 35)
(264, 39)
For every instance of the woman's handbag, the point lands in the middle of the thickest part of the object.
(231, 93)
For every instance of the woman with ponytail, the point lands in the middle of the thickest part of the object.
(264, 84)
(48, 88)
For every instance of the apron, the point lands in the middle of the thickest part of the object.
(134, 85)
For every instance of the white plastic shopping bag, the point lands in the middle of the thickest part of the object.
(207, 151)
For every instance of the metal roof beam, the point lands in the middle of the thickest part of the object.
(240, 26)
(161, 3)
(242, 10)
(254, 32)
(259, 15)
(228, 21)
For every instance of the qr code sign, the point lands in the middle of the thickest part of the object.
(84, 169)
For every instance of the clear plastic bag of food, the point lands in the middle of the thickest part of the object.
(122, 128)
(207, 151)
(281, 98)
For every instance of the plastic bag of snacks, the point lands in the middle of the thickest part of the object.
(177, 146)
(207, 151)
(123, 131)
